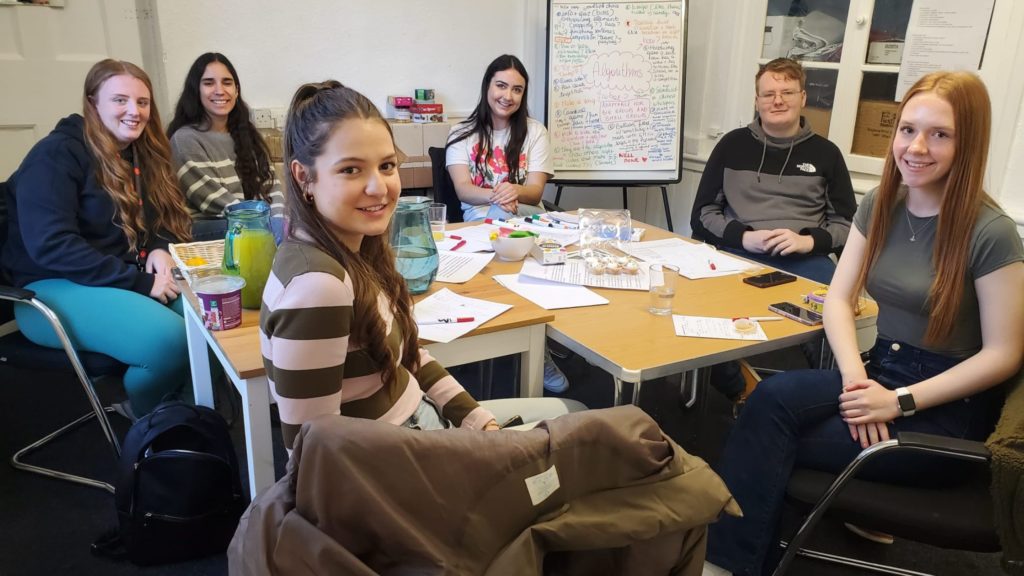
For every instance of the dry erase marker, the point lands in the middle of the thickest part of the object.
(458, 245)
(496, 221)
(712, 265)
(454, 237)
(459, 320)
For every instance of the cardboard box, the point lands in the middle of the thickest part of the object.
(426, 108)
(428, 118)
(876, 121)
(820, 119)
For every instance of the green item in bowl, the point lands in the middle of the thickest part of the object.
(521, 234)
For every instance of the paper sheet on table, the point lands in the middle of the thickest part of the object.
(459, 267)
(721, 328)
(694, 260)
(575, 271)
(447, 304)
(550, 295)
(452, 239)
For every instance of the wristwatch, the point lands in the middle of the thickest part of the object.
(906, 402)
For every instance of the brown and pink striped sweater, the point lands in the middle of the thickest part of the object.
(315, 369)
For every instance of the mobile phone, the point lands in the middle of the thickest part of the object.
(798, 313)
(769, 279)
(176, 272)
(513, 421)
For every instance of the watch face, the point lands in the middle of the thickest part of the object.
(907, 403)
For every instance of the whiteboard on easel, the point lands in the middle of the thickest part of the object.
(616, 74)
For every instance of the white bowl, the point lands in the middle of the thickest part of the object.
(512, 249)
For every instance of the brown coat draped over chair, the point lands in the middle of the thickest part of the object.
(602, 491)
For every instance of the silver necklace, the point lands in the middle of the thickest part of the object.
(913, 233)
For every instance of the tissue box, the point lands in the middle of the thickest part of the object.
(548, 253)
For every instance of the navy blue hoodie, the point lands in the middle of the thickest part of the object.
(62, 221)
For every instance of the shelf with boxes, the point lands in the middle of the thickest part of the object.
(412, 139)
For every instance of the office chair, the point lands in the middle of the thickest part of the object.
(961, 517)
(444, 189)
(18, 351)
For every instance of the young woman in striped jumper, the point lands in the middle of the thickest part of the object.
(336, 327)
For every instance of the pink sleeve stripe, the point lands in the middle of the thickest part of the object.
(405, 406)
(289, 354)
(360, 387)
(314, 290)
(477, 418)
(425, 357)
(444, 390)
(299, 411)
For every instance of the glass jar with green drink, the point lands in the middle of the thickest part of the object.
(249, 248)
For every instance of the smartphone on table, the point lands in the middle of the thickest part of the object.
(769, 279)
(798, 313)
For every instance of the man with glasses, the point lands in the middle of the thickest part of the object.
(775, 191)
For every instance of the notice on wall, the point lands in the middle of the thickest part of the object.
(944, 35)
(615, 85)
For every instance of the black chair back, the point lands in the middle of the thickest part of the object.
(444, 189)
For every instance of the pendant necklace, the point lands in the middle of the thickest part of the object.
(913, 233)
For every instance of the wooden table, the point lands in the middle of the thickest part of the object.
(520, 330)
(633, 346)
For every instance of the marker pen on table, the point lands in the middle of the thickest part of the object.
(458, 245)
(459, 320)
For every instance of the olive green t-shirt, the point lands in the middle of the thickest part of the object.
(903, 275)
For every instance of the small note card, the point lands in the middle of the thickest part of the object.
(722, 328)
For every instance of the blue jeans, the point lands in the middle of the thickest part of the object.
(792, 419)
(479, 212)
(132, 328)
(814, 267)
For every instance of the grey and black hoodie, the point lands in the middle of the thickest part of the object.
(754, 181)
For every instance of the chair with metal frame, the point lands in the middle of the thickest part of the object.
(960, 517)
(18, 351)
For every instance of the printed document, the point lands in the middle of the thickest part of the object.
(459, 267)
(575, 271)
(695, 261)
(447, 304)
(721, 328)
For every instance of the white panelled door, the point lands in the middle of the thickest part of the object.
(45, 54)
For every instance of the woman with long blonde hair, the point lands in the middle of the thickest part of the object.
(93, 207)
(944, 264)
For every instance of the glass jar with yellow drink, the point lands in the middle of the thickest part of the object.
(249, 248)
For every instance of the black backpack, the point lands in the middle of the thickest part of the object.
(177, 492)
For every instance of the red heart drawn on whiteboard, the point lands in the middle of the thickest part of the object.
(645, 158)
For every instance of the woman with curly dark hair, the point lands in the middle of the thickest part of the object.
(219, 156)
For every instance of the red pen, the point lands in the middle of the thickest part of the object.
(454, 237)
(712, 265)
(458, 245)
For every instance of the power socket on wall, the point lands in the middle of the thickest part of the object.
(263, 117)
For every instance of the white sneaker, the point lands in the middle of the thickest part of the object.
(125, 410)
(554, 380)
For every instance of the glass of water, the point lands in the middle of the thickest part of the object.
(438, 216)
(663, 288)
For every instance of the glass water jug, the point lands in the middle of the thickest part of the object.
(249, 248)
(415, 251)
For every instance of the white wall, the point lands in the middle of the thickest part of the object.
(378, 48)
